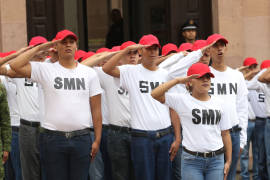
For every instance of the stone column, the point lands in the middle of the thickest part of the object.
(13, 27)
(246, 24)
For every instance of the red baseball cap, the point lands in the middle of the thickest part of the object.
(126, 44)
(37, 40)
(185, 47)
(199, 44)
(216, 37)
(166, 49)
(149, 39)
(250, 61)
(200, 69)
(265, 64)
(115, 48)
(79, 54)
(4, 54)
(65, 33)
(103, 49)
(87, 55)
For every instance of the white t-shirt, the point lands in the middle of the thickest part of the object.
(117, 99)
(12, 100)
(257, 102)
(201, 121)
(41, 97)
(251, 114)
(180, 68)
(177, 66)
(27, 99)
(231, 87)
(66, 95)
(104, 108)
(263, 87)
(146, 113)
(169, 62)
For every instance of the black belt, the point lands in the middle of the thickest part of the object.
(260, 118)
(15, 128)
(235, 128)
(158, 134)
(105, 126)
(119, 128)
(30, 123)
(206, 154)
(67, 134)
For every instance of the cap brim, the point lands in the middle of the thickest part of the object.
(155, 44)
(190, 28)
(211, 75)
(222, 39)
(70, 35)
(253, 64)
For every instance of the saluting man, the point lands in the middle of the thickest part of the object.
(230, 85)
(152, 145)
(72, 103)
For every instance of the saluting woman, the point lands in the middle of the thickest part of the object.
(205, 123)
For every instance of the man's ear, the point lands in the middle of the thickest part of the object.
(140, 51)
(183, 33)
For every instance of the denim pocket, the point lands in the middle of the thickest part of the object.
(187, 156)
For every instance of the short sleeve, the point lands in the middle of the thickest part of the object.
(36, 71)
(124, 73)
(172, 100)
(225, 122)
(94, 85)
(100, 74)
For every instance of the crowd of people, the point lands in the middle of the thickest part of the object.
(132, 112)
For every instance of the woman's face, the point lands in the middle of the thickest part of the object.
(201, 85)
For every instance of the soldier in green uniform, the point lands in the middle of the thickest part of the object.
(5, 129)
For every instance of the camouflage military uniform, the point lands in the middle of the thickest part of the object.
(5, 128)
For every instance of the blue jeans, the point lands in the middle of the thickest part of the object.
(150, 156)
(235, 137)
(199, 168)
(244, 158)
(260, 141)
(15, 155)
(13, 165)
(267, 144)
(119, 149)
(105, 156)
(9, 171)
(176, 165)
(66, 158)
(96, 171)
